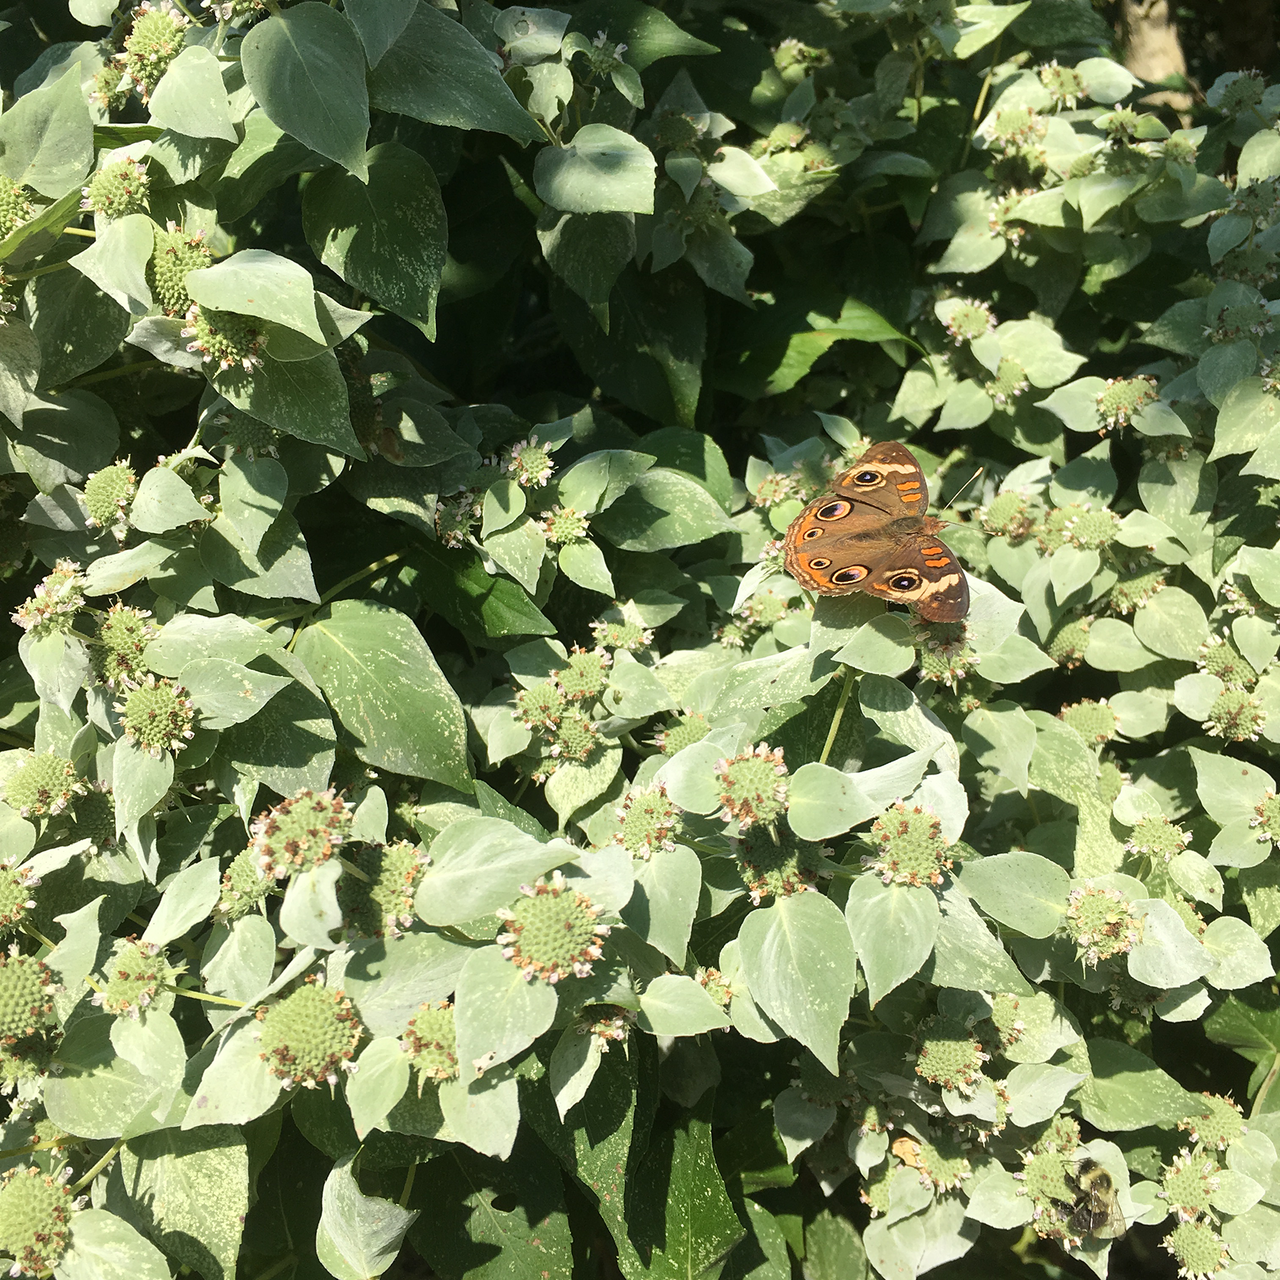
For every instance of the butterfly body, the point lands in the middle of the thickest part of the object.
(871, 533)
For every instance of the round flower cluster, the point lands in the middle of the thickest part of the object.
(243, 887)
(681, 732)
(942, 1163)
(1004, 1020)
(1188, 1184)
(1135, 586)
(1235, 716)
(382, 904)
(35, 1216)
(432, 1043)
(562, 525)
(309, 1036)
(528, 463)
(1101, 924)
(15, 206)
(1008, 383)
(912, 849)
(584, 675)
(753, 787)
(1001, 222)
(108, 495)
(1095, 722)
(1008, 515)
(134, 975)
(300, 833)
(649, 821)
(1197, 1249)
(155, 40)
(43, 785)
(1242, 92)
(54, 603)
(609, 1023)
(1121, 399)
(1218, 1125)
(949, 1055)
(157, 715)
(16, 884)
(1047, 1182)
(223, 338)
(1267, 816)
(1157, 837)
(1090, 530)
(1219, 657)
(553, 932)
(1068, 644)
(116, 654)
(1231, 323)
(456, 517)
(775, 863)
(618, 633)
(175, 256)
(1065, 84)
(712, 981)
(26, 996)
(969, 320)
(945, 655)
(117, 189)
(774, 489)
(243, 434)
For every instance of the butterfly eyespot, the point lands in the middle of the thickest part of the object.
(845, 577)
(867, 477)
(904, 581)
(834, 510)
(819, 562)
(809, 534)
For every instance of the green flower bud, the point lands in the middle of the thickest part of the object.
(1218, 1125)
(301, 832)
(175, 256)
(553, 932)
(912, 849)
(35, 1210)
(309, 1036)
(753, 787)
(432, 1043)
(157, 715)
(117, 190)
(133, 978)
(223, 338)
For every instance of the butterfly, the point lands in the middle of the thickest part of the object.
(870, 533)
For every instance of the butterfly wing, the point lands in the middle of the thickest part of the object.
(871, 534)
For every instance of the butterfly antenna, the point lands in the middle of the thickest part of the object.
(956, 496)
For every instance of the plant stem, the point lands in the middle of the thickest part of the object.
(202, 995)
(79, 231)
(839, 715)
(121, 371)
(355, 871)
(408, 1184)
(982, 99)
(276, 1267)
(1265, 1087)
(112, 1151)
(28, 927)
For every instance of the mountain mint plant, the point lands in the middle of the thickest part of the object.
(438, 835)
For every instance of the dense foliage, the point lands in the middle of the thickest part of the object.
(436, 831)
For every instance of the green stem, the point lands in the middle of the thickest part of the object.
(355, 871)
(28, 927)
(366, 572)
(122, 371)
(98, 1168)
(38, 271)
(202, 995)
(1265, 1087)
(79, 231)
(982, 99)
(628, 741)
(14, 740)
(839, 715)
(408, 1184)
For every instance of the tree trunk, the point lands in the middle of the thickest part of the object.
(1152, 50)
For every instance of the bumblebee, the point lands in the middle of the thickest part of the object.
(1096, 1211)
